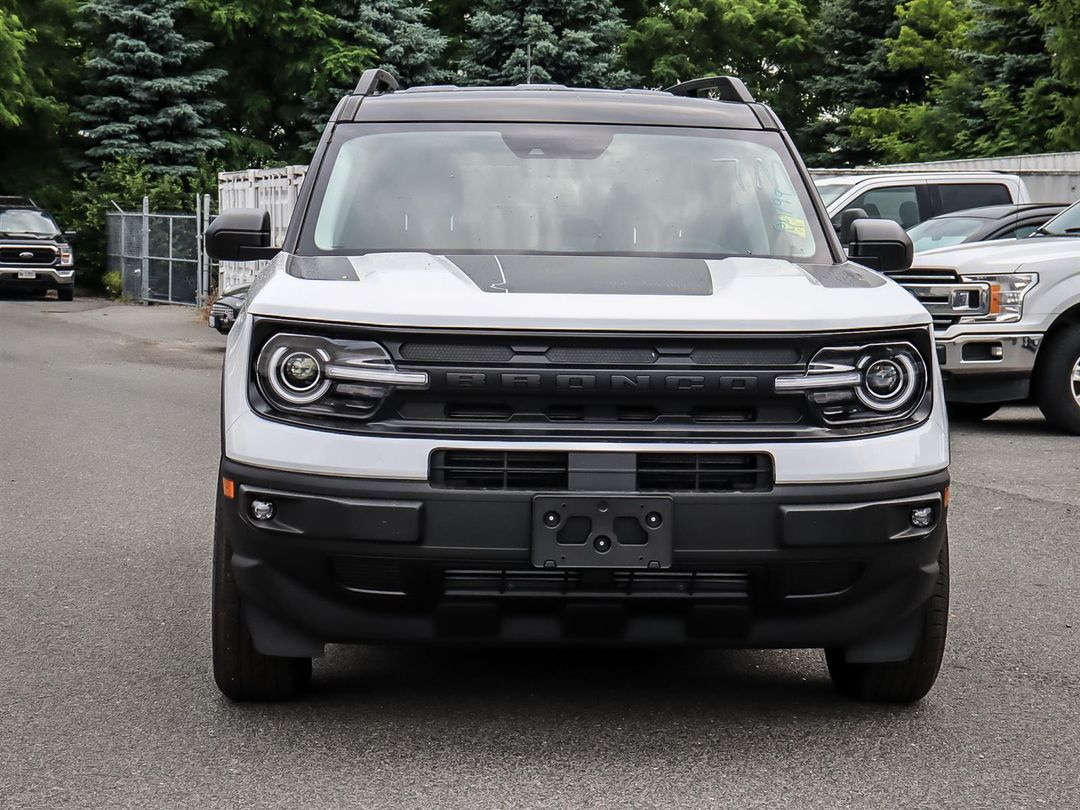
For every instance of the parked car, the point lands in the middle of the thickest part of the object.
(538, 365)
(34, 253)
(909, 198)
(983, 225)
(225, 310)
(1007, 320)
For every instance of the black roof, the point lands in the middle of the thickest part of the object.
(554, 104)
(1003, 211)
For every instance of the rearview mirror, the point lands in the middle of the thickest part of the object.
(881, 245)
(240, 235)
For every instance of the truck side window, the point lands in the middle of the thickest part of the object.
(898, 203)
(961, 196)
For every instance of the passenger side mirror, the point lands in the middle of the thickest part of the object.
(847, 217)
(881, 245)
(69, 236)
(240, 235)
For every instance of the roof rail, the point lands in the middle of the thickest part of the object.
(728, 88)
(375, 81)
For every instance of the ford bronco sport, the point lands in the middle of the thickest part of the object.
(539, 365)
(34, 253)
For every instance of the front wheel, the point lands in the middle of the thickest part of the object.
(65, 294)
(242, 672)
(908, 680)
(1057, 381)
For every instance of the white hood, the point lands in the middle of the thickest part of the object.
(732, 294)
(1000, 256)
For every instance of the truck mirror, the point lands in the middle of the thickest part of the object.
(240, 235)
(881, 245)
(847, 217)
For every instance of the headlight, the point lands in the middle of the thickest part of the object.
(319, 376)
(67, 258)
(856, 384)
(1006, 296)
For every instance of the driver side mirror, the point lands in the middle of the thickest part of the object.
(881, 245)
(240, 235)
(847, 217)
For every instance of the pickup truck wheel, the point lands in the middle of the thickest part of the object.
(242, 672)
(972, 411)
(65, 294)
(901, 681)
(1057, 380)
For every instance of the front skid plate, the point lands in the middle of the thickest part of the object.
(618, 531)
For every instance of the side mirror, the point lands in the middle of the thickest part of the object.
(69, 236)
(240, 235)
(881, 245)
(847, 217)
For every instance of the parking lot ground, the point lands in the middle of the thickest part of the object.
(108, 452)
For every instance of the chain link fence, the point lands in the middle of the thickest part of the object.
(160, 256)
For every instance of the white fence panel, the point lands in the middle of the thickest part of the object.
(276, 191)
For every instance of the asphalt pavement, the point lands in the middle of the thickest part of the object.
(108, 453)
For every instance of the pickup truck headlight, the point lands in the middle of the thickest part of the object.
(319, 376)
(857, 384)
(1006, 298)
(67, 257)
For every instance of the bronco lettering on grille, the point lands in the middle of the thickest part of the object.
(554, 381)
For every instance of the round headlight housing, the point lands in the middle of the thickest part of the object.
(889, 382)
(296, 376)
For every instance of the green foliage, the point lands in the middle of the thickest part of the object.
(113, 283)
(766, 42)
(143, 99)
(15, 85)
(571, 42)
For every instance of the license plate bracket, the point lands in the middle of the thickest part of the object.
(576, 531)
(27, 274)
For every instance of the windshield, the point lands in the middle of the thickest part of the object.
(945, 232)
(26, 222)
(563, 189)
(1067, 223)
(830, 191)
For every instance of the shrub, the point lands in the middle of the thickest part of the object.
(113, 283)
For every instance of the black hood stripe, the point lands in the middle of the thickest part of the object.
(586, 275)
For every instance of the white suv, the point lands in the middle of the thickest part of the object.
(538, 365)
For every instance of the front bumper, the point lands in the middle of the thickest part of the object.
(44, 278)
(348, 560)
(988, 367)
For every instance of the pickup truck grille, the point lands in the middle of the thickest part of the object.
(946, 297)
(28, 255)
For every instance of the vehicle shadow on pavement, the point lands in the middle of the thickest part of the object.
(591, 681)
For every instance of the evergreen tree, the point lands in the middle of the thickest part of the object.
(1061, 20)
(571, 42)
(143, 99)
(15, 87)
(852, 40)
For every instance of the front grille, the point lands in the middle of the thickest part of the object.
(28, 254)
(931, 286)
(223, 310)
(483, 469)
(655, 472)
(538, 584)
(704, 472)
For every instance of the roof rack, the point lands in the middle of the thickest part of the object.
(727, 88)
(375, 81)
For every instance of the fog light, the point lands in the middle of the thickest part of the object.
(922, 517)
(264, 510)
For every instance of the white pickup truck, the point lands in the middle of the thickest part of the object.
(1007, 320)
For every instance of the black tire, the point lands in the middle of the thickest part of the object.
(1055, 390)
(972, 411)
(901, 681)
(242, 672)
(65, 294)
